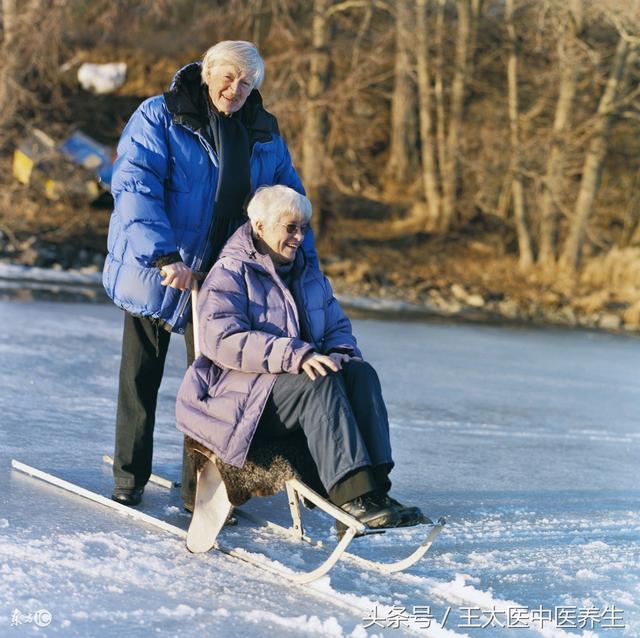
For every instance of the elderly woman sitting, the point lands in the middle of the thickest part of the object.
(281, 357)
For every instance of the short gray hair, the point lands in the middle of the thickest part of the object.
(270, 202)
(239, 53)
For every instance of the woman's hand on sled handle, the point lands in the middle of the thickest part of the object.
(176, 275)
(315, 364)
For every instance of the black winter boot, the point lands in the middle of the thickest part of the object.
(127, 495)
(409, 516)
(369, 511)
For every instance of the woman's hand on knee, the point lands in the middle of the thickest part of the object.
(315, 364)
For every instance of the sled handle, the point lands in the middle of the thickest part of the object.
(194, 316)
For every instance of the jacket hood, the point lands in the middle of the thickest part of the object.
(241, 247)
(186, 100)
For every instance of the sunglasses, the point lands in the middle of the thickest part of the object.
(292, 229)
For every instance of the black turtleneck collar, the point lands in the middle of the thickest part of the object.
(187, 101)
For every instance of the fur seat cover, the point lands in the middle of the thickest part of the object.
(269, 464)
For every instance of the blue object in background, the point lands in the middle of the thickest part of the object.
(83, 150)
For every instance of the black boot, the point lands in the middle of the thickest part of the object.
(370, 512)
(127, 495)
(409, 516)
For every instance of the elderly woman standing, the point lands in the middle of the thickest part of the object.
(187, 161)
(279, 355)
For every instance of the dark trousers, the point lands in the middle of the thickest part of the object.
(144, 350)
(345, 422)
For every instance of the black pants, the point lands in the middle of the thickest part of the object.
(144, 350)
(345, 422)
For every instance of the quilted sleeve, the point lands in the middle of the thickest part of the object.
(226, 334)
(139, 175)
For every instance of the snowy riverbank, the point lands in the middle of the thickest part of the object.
(18, 281)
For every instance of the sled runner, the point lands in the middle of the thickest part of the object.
(200, 533)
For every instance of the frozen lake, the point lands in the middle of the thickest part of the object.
(527, 441)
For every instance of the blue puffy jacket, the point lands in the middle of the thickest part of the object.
(164, 184)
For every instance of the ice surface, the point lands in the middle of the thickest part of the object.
(527, 441)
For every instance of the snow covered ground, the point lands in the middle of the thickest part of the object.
(527, 441)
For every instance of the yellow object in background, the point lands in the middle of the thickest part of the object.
(22, 166)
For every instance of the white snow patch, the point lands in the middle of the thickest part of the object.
(181, 611)
(80, 615)
(302, 624)
(47, 275)
(586, 574)
(622, 599)
(102, 78)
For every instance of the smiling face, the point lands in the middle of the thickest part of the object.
(281, 239)
(229, 88)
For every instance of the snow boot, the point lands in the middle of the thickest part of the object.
(127, 495)
(409, 516)
(368, 510)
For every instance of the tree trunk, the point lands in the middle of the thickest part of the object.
(476, 10)
(403, 153)
(449, 171)
(517, 186)
(315, 123)
(438, 91)
(9, 66)
(594, 159)
(429, 174)
(552, 180)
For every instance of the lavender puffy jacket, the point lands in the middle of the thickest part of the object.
(250, 331)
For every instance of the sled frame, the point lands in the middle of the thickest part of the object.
(212, 506)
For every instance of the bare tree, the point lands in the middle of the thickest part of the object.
(450, 162)
(441, 128)
(550, 195)
(315, 122)
(438, 89)
(517, 181)
(403, 153)
(594, 157)
(427, 141)
(10, 64)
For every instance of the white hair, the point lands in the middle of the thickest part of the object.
(241, 54)
(271, 202)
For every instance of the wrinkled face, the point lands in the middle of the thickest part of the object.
(229, 88)
(282, 239)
